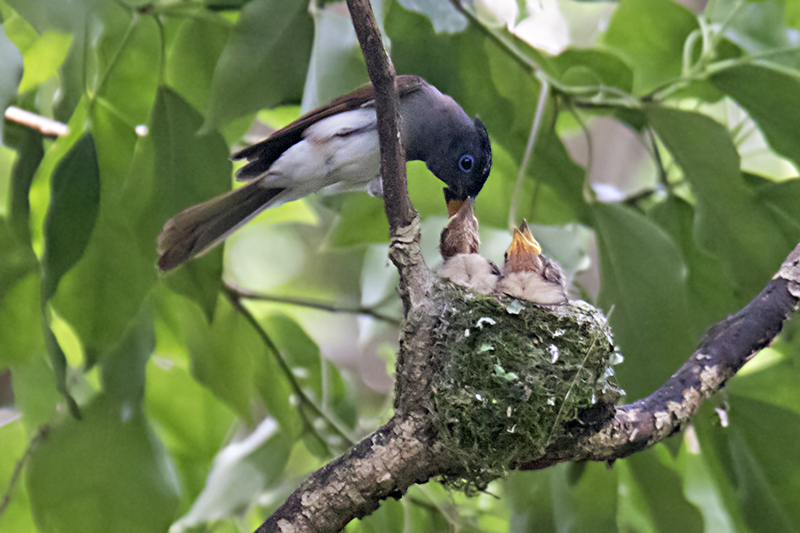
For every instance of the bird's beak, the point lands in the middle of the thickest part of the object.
(453, 207)
(523, 242)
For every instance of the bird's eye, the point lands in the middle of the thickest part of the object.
(466, 162)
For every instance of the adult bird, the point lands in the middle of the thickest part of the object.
(529, 275)
(334, 149)
(458, 245)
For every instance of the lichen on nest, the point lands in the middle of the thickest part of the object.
(511, 378)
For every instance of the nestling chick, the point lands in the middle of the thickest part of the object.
(529, 275)
(459, 248)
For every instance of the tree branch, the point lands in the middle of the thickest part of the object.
(312, 304)
(382, 465)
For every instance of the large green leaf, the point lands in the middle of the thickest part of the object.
(264, 63)
(643, 286)
(585, 497)
(730, 222)
(362, 220)
(74, 203)
(650, 35)
(531, 501)
(590, 68)
(17, 515)
(711, 296)
(123, 369)
(28, 144)
(43, 58)
(174, 168)
(103, 293)
(661, 492)
(223, 354)
(191, 421)
(17, 260)
(21, 325)
(10, 73)
(106, 472)
(131, 67)
(192, 58)
(772, 98)
(753, 452)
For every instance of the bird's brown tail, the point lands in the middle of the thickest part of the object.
(197, 229)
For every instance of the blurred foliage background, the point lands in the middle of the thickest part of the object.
(662, 143)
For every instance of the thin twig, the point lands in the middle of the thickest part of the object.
(313, 304)
(234, 298)
(44, 125)
(544, 91)
(40, 434)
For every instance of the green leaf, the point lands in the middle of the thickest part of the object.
(650, 35)
(336, 66)
(102, 294)
(661, 492)
(582, 68)
(241, 472)
(192, 58)
(643, 279)
(299, 350)
(21, 325)
(35, 392)
(109, 460)
(74, 203)
(772, 99)
(10, 73)
(731, 223)
(30, 152)
(711, 296)
(123, 370)
(768, 484)
(130, 82)
(531, 501)
(223, 355)
(362, 220)
(269, 47)
(185, 169)
(588, 503)
(13, 441)
(43, 58)
(189, 419)
(17, 260)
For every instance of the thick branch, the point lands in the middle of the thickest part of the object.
(382, 465)
(726, 348)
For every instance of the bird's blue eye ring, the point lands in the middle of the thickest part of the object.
(466, 162)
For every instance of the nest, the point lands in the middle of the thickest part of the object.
(512, 378)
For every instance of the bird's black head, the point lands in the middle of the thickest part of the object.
(466, 163)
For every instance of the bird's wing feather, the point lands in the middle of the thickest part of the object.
(262, 155)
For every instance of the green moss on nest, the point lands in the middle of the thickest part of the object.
(511, 378)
